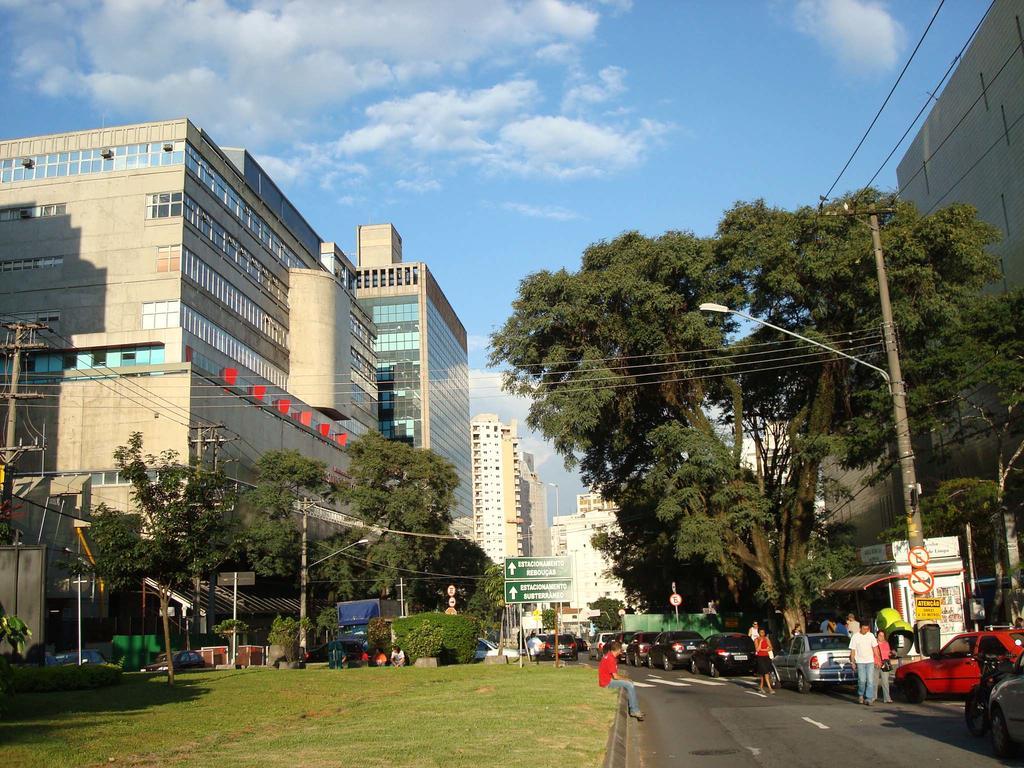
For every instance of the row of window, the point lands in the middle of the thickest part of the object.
(363, 366)
(33, 212)
(79, 162)
(388, 277)
(161, 314)
(88, 359)
(42, 262)
(395, 313)
(227, 245)
(207, 278)
(359, 330)
(224, 342)
(234, 203)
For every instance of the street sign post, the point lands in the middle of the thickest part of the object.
(537, 580)
(918, 557)
(451, 590)
(928, 609)
(537, 591)
(537, 568)
(921, 581)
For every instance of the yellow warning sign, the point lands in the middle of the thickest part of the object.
(928, 609)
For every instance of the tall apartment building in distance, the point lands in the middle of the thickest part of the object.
(497, 494)
(534, 501)
(187, 299)
(571, 537)
(422, 364)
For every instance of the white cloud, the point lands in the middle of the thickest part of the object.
(553, 212)
(476, 342)
(863, 33)
(611, 83)
(268, 69)
(418, 185)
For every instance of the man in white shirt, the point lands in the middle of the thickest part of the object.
(852, 625)
(863, 648)
(752, 632)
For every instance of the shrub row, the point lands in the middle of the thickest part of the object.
(66, 677)
(452, 639)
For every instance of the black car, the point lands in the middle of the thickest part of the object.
(567, 648)
(673, 649)
(624, 639)
(725, 653)
(182, 660)
(313, 655)
(638, 648)
(582, 644)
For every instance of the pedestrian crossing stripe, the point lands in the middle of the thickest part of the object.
(643, 685)
(698, 681)
(673, 683)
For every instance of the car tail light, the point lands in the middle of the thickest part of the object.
(572, 646)
(644, 647)
(814, 663)
(306, 656)
(722, 652)
(547, 646)
(677, 646)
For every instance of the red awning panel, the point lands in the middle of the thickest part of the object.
(868, 575)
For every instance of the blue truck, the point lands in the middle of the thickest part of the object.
(354, 617)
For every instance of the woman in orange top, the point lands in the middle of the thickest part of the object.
(763, 655)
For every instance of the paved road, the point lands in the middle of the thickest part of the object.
(693, 720)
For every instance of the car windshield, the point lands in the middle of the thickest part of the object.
(627, 636)
(683, 636)
(736, 644)
(829, 643)
(566, 639)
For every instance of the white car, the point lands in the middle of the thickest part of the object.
(1006, 711)
(486, 648)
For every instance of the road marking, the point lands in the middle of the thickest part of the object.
(638, 684)
(698, 681)
(755, 751)
(762, 695)
(815, 722)
(672, 682)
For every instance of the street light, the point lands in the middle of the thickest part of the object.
(305, 582)
(915, 531)
(78, 525)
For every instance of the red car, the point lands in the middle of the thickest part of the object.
(955, 669)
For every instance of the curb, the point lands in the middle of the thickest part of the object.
(617, 749)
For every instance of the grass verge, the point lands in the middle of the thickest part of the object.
(462, 716)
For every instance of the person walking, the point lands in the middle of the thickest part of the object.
(863, 647)
(608, 677)
(852, 625)
(883, 661)
(752, 632)
(763, 655)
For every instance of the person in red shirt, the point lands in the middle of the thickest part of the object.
(608, 677)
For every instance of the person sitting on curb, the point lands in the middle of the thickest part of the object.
(397, 656)
(608, 677)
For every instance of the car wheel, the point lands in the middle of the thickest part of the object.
(974, 714)
(775, 680)
(668, 665)
(650, 662)
(694, 669)
(1002, 744)
(802, 684)
(713, 669)
(914, 689)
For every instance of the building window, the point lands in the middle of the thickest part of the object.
(163, 205)
(43, 262)
(84, 161)
(33, 212)
(161, 314)
(168, 258)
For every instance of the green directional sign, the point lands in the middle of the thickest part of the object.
(526, 591)
(537, 568)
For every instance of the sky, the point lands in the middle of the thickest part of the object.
(501, 137)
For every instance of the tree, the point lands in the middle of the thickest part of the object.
(973, 387)
(397, 487)
(488, 599)
(548, 618)
(609, 618)
(629, 378)
(183, 526)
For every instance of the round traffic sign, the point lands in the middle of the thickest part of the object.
(451, 590)
(451, 602)
(918, 557)
(675, 599)
(921, 581)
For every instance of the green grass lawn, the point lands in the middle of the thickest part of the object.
(357, 718)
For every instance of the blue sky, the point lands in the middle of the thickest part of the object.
(500, 137)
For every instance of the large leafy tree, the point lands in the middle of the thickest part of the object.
(183, 527)
(627, 375)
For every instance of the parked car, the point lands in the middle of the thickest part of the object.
(566, 647)
(1006, 711)
(815, 659)
(485, 648)
(723, 654)
(673, 649)
(955, 669)
(182, 660)
(313, 655)
(582, 644)
(597, 646)
(639, 647)
(89, 656)
(624, 638)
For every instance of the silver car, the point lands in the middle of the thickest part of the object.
(1006, 712)
(815, 659)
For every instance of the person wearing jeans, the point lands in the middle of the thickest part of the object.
(608, 677)
(863, 650)
(884, 666)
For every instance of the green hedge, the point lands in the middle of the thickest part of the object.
(6, 685)
(65, 677)
(455, 637)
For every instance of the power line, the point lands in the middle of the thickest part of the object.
(892, 90)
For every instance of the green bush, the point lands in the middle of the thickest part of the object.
(378, 633)
(424, 641)
(65, 677)
(6, 685)
(458, 636)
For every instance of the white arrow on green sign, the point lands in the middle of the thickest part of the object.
(537, 568)
(526, 591)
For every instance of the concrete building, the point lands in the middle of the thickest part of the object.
(422, 365)
(571, 537)
(187, 299)
(497, 494)
(534, 499)
(970, 148)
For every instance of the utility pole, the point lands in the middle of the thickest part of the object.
(303, 508)
(23, 339)
(401, 594)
